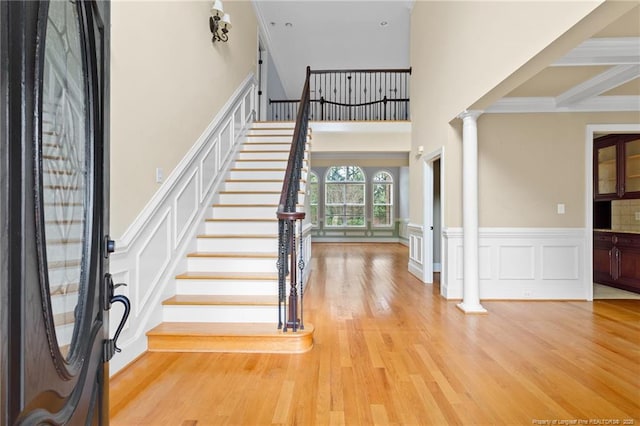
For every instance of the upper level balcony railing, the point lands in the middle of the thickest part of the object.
(345, 95)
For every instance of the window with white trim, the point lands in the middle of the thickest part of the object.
(344, 197)
(313, 198)
(382, 199)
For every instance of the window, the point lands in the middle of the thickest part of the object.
(382, 199)
(344, 197)
(313, 198)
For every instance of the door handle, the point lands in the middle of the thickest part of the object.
(110, 345)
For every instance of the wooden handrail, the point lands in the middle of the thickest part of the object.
(288, 262)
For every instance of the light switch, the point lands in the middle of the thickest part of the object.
(561, 208)
(637, 215)
(159, 175)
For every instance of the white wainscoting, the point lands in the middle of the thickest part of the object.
(416, 250)
(152, 250)
(520, 263)
(403, 231)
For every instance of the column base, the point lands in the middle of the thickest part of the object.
(471, 309)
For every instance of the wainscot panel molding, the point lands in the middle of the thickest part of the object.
(521, 263)
(152, 250)
(403, 231)
(416, 245)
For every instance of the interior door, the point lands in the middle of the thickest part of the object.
(55, 289)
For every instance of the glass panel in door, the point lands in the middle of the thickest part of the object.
(632, 166)
(607, 170)
(64, 169)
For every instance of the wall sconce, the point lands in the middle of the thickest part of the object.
(420, 150)
(219, 22)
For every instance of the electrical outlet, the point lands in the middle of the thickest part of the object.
(159, 175)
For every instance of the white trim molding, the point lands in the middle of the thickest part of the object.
(521, 264)
(152, 250)
(416, 250)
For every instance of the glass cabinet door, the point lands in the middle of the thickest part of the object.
(632, 166)
(606, 169)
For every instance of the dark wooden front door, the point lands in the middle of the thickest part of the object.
(55, 290)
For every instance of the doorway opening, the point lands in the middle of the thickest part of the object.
(433, 214)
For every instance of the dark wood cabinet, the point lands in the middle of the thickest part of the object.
(616, 167)
(616, 260)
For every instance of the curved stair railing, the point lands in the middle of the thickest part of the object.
(291, 262)
(351, 95)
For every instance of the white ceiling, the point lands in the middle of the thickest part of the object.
(334, 34)
(601, 74)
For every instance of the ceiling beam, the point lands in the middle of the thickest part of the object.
(524, 105)
(601, 83)
(603, 51)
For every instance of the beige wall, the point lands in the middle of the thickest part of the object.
(168, 81)
(460, 51)
(529, 163)
(360, 142)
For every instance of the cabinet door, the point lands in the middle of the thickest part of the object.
(606, 171)
(631, 151)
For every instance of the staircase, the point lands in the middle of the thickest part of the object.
(63, 169)
(226, 300)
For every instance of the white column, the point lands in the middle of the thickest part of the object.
(471, 281)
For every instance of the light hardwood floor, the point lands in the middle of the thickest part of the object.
(389, 350)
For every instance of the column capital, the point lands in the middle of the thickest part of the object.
(472, 114)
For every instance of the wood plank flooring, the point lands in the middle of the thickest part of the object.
(389, 350)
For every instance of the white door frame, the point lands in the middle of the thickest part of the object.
(427, 213)
(591, 130)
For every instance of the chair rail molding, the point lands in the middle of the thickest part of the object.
(152, 250)
(521, 264)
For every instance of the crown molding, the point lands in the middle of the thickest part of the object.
(549, 105)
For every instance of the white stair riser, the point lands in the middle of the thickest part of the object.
(262, 164)
(257, 228)
(59, 252)
(257, 174)
(64, 275)
(269, 138)
(227, 287)
(274, 131)
(249, 198)
(264, 155)
(64, 303)
(254, 198)
(220, 314)
(226, 264)
(266, 146)
(55, 195)
(253, 186)
(53, 211)
(269, 124)
(261, 245)
(64, 333)
(244, 212)
(58, 231)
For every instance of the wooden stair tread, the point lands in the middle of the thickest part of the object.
(241, 220)
(256, 276)
(262, 151)
(228, 337)
(239, 236)
(250, 205)
(253, 180)
(218, 300)
(259, 170)
(234, 254)
(229, 329)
